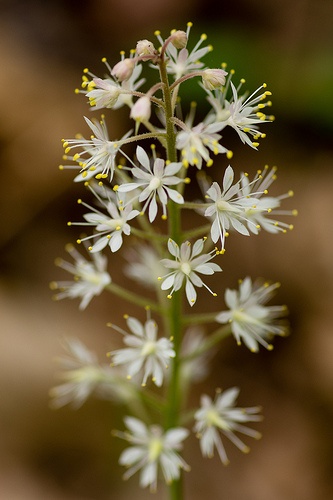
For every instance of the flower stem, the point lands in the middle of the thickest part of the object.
(174, 323)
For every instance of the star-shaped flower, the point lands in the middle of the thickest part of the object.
(90, 277)
(151, 449)
(154, 181)
(222, 417)
(83, 376)
(109, 227)
(241, 112)
(109, 92)
(250, 319)
(188, 262)
(144, 351)
(97, 158)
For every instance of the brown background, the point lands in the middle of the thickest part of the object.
(67, 455)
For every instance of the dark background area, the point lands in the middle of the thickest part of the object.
(69, 455)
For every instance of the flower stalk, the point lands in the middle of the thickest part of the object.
(165, 354)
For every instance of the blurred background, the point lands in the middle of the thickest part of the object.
(69, 455)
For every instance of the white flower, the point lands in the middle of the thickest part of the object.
(108, 92)
(251, 320)
(98, 154)
(154, 181)
(228, 209)
(182, 62)
(242, 113)
(90, 277)
(144, 265)
(152, 449)
(244, 206)
(84, 376)
(221, 416)
(145, 352)
(196, 142)
(188, 262)
(260, 216)
(109, 227)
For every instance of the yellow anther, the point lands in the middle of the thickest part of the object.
(77, 91)
(61, 167)
(290, 193)
(116, 187)
(76, 156)
(230, 154)
(86, 70)
(209, 162)
(264, 85)
(291, 227)
(232, 71)
(255, 144)
(242, 80)
(157, 32)
(189, 24)
(261, 106)
(294, 212)
(187, 180)
(270, 347)
(203, 36)
(164, 217)
(169, 296)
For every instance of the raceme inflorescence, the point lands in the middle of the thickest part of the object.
(141, 191)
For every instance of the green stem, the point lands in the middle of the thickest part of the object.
(175, 309)
(134, 298)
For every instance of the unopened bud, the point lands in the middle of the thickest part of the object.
(141, 110)
(123, 70)
(213, 78)
(179, 39)
(145, 48)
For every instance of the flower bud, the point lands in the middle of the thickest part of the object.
(213, 78)
(141, 110)
(123, 70)
(179, 39)
(145, 48)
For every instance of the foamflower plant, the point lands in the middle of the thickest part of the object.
(138, 228)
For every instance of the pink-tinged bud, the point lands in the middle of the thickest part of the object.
(123, 70)
(179, 39)
(213, 78)
(145, 48)
(141, 110)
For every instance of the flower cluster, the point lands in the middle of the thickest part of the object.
(139, 209)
